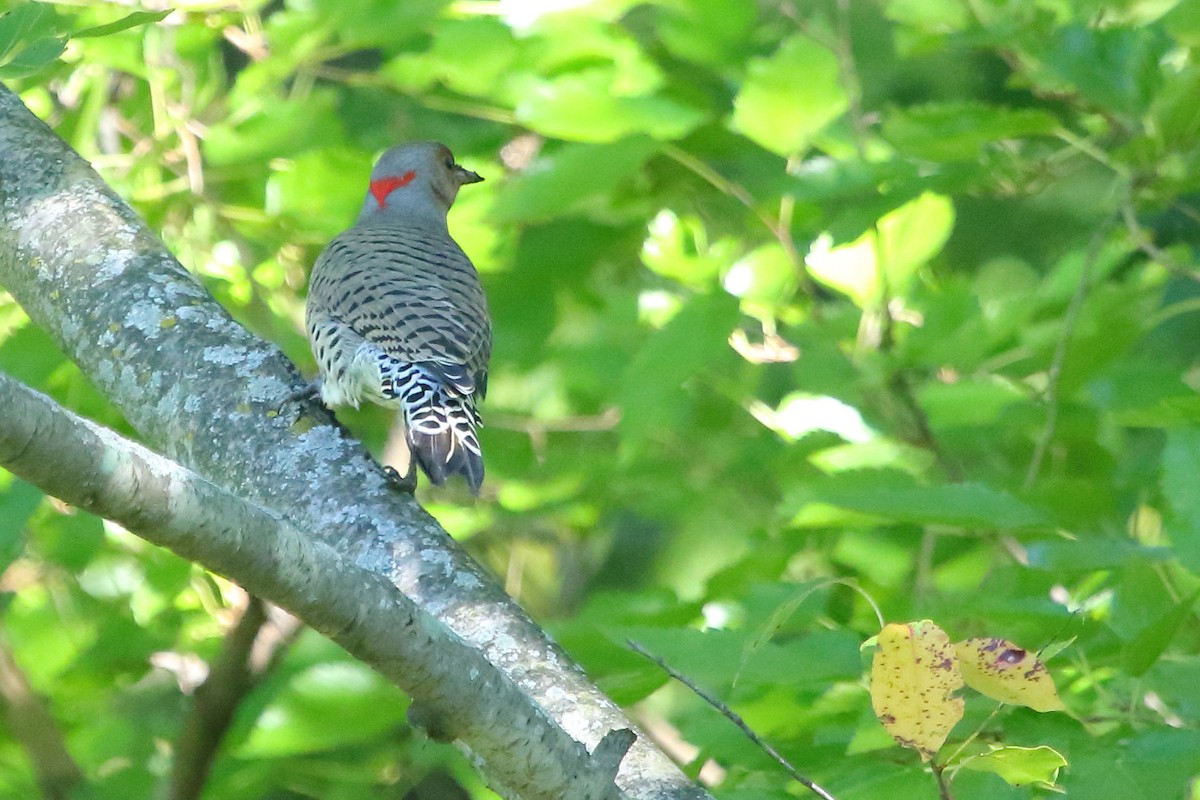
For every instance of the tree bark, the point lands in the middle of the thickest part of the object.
(201, 389)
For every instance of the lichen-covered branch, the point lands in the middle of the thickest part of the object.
(97, 470)
(203, 390)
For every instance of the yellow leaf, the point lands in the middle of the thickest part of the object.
(1002, 671)
(913, 679)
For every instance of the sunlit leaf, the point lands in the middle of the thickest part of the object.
(124, 23)
(327, 706)
(1020, 766)
(581, 107)
(941, 16)
(789, 96)
(914, 677)
(559, 182)
(1003, 671)
(888, 256)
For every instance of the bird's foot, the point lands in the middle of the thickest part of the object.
(405, 483)
(310, 391)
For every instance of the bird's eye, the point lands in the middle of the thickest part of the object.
(449, 162)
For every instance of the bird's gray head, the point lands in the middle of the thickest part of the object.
(417, 181)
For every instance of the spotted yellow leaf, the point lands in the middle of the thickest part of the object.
(1002, 671)
(914, 676)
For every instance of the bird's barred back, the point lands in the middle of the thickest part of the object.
(410, 291)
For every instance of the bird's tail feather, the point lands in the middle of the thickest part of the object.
(440, 428)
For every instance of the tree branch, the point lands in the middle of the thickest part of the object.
(252, 646)
(203, 390)
(93, 468)
(31, 724)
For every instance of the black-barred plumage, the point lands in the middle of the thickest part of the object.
(396, 314)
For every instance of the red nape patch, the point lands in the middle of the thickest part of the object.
(385, 186)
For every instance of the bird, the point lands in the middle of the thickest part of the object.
(396, 314)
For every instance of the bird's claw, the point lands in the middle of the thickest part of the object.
(405, 483)
(310, 391)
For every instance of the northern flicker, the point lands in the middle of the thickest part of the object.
(396, 314)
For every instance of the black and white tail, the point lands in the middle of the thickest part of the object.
(440, 425)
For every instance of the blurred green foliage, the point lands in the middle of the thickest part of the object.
(796, 304)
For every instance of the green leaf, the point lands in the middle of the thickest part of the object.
(1117, 68)
(967, 403)
(18, 501)
(582, 107)
(30, 355)
(940, 16)
(1146, 395)
(1179, 460)
(778, 617)
(652, 386)
(1143, 652)
(565, 180)
(33, 57)
(124, 23)
(959, 131)
(712, 32)
(327, 706)
(790, 96)
(379, 23)
(679, 248)
(765, 279)
(278, 128)
(901, 242)
(324, 189)
(28, 22)
(1092, 554)
(1183, 22)
(895, 497)
(1020, 766)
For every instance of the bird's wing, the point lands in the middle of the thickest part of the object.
(414, 294)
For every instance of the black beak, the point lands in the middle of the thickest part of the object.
(466, 176)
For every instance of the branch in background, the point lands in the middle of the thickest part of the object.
(252, 647)
(31, 724)
(1054, 372)
(91, 467)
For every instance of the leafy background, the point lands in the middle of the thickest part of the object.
(798, 306)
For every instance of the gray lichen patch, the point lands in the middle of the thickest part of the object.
(147, 318)
(265, 389)
(70, 222)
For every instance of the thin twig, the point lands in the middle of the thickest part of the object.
(1054, 373)
(943, 787)
(733, 717)
(782, 234)
(852, 86)
(1144, 242)
(965, 743)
